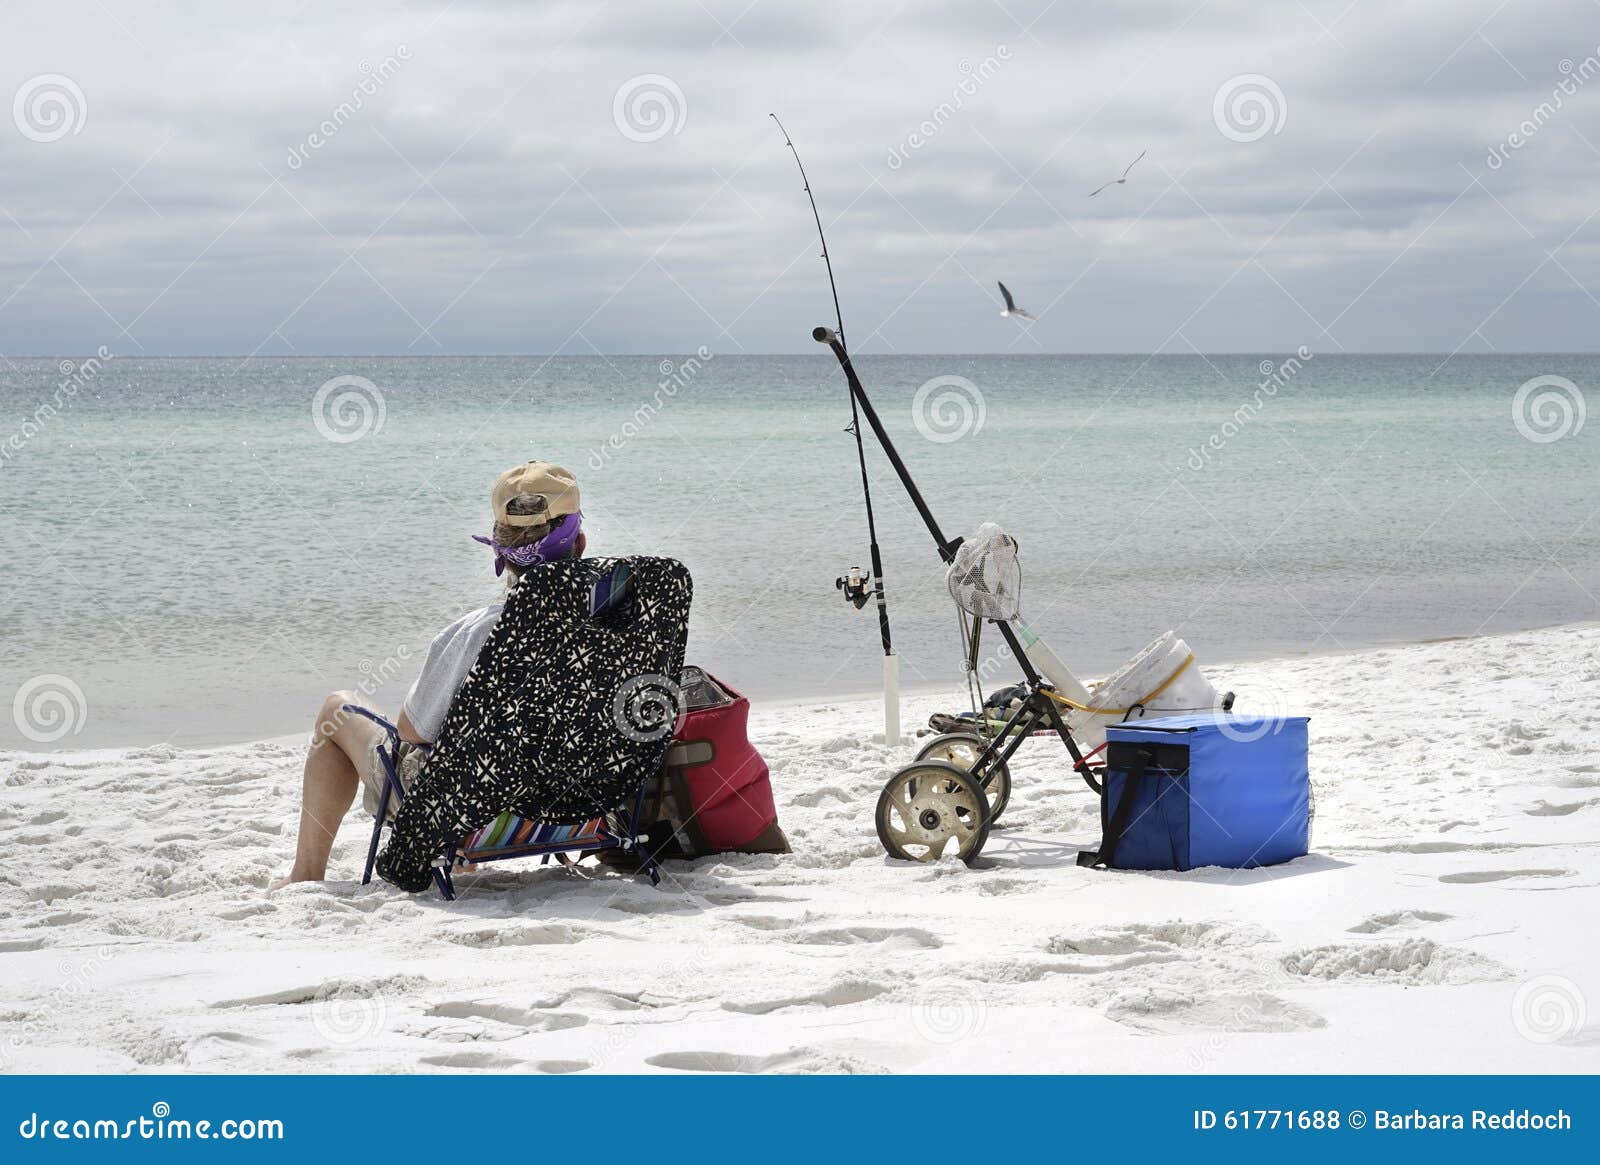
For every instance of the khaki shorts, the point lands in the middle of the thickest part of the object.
(373, 776)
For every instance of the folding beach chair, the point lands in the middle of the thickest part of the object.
(552, 739)
(508, 835)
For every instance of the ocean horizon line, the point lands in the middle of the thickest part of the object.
(597, 355)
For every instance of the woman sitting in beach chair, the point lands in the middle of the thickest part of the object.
(536, 519)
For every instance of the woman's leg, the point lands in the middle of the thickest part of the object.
(340, 742)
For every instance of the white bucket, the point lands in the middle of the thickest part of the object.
(1162, 680)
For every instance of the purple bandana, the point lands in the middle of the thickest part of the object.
(559, 543)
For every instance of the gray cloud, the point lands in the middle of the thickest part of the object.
(482, 198)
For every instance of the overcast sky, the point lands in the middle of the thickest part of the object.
(589, 176)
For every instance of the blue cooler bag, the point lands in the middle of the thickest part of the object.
(1209, 789)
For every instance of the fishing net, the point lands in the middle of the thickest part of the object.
(985, 579)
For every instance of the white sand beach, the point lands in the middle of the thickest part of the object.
(1445, 921)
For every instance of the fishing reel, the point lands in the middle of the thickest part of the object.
(856, 585)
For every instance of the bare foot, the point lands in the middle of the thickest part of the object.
(288, 879)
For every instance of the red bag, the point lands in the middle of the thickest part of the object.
(715, 791)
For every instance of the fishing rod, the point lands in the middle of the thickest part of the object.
(823, 335)
(1025, 653)
(1033, 656)
(852, 584)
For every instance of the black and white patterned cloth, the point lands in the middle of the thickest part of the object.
(562, 717)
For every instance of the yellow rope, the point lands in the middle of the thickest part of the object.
(1165, 684)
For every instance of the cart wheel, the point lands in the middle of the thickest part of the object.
(962, 749)
(927, 806)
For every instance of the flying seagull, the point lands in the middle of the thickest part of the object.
(1124, 178)
(1011, 308)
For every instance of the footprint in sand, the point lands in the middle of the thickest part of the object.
(1472, 877)
(1406, 961)
(1005, 887)
(850, 936)
(837, 995)
(527, 1018)
(592, 999)
(1399, 920)
(550, 934)
(795, 1060)
(1169, 1013)
(1546, 809)
(768, 922)
(1140, 938)
(394, 986)
(477, 1061)
(60, 918)
(812, 798)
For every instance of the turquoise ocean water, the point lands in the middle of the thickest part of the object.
(196, 550)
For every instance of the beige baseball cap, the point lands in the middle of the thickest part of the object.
(551, 484)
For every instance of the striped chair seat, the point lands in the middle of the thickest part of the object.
(509, 836)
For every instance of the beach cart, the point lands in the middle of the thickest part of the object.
(944, 802)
